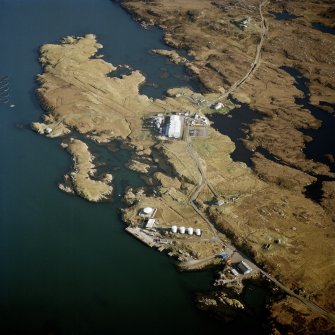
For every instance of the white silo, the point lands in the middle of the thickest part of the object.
(190, 230)
(148, 211)
(182, 230)
(174, 229)
(198, 232)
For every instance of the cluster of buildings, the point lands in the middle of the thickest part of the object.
(198, 120)
(148, 214)
(172, 126)
(243, 23)
(149, 221)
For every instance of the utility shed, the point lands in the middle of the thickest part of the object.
(150, 223)
(174, 127)
(244, 268)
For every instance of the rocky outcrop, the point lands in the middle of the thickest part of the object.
(137, 166)
(220, 304)
(82, 176)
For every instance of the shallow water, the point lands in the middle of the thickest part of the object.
(321, 27)
(235, 125)
(67, 266)
(323, 142)
(284, 16)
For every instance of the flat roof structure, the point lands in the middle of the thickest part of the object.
(150, 223)
(244, 267)
(174, 127)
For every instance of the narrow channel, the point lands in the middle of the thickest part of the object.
(322, 147)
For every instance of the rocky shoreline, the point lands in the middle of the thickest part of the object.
(81, 180)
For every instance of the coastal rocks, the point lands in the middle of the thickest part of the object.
(173, 55)
(50, 130)
(138, 166)
(66, 186)
(81, 179)
(130, 198)
(167, 181)
(219, 304)
(107, 178)
(38, 127)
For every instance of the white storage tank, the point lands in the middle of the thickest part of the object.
(198, 232)
(190, 230)
(174, 229)
(182, 230)
(147, 210)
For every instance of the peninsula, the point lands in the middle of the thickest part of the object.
(199, 205)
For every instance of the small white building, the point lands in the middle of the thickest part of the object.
(220, 202)
(244, 268)
(199, 121)
(158, 120)
(150, 223)
(218, 105)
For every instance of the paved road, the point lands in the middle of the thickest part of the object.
(253, 65)
(196, 263)
(257, 58)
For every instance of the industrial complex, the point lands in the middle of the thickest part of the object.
(174, 126)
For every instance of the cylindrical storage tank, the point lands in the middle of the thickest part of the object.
(190, 230)
(174, 229)
(182, 230)
(198, 232)
(148, 210)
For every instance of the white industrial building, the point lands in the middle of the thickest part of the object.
(218, 105)
(150, 223)
(174, 127)
(244, 267)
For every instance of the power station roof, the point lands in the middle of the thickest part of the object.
(174, 127)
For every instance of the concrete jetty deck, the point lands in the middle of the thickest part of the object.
(142, 236)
